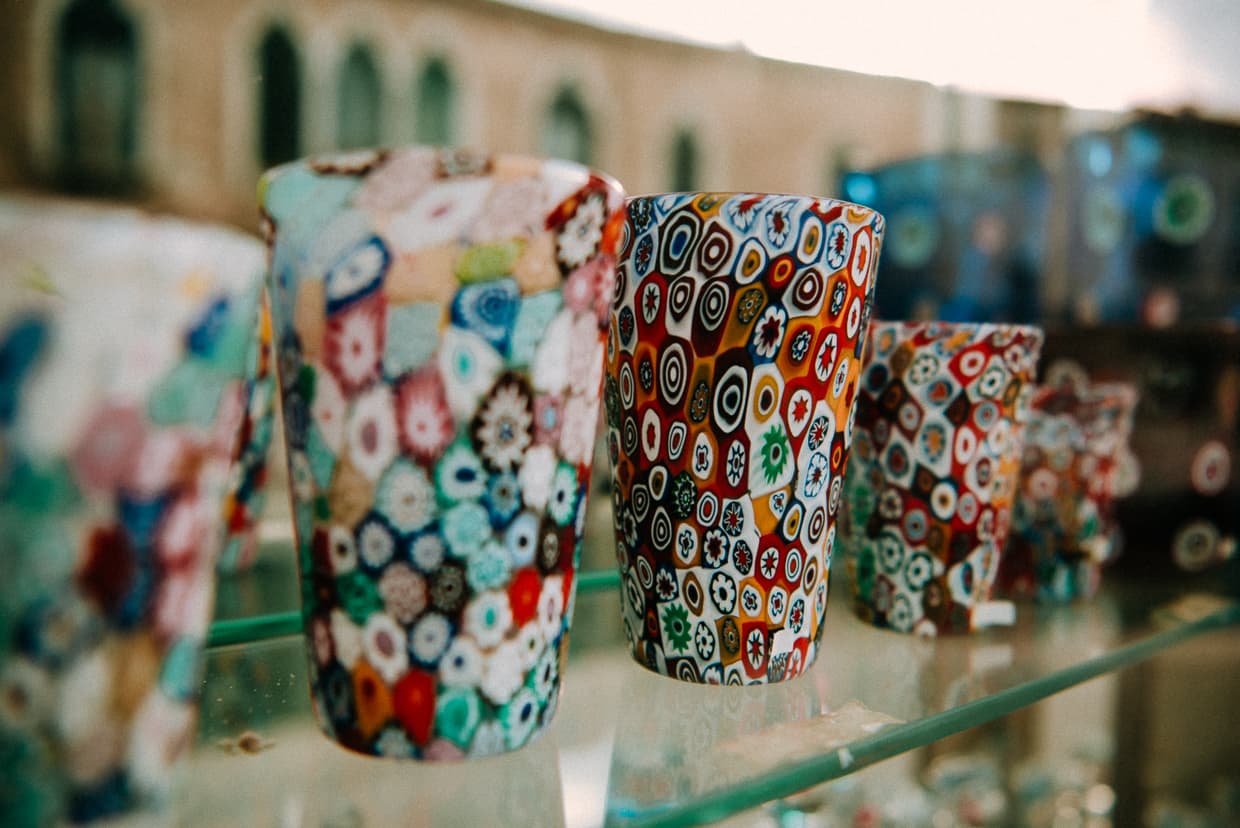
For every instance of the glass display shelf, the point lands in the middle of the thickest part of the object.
(631, 748)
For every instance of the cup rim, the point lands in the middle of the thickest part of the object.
(724, 195)
(358, 162)
(1008, 328)
(1112, 393)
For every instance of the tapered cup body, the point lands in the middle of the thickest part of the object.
(733, 356)
(439, 319)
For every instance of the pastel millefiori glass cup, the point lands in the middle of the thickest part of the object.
(440, 318)
(941, 411)
(732, 362)
(1075, 462)
(127, 371)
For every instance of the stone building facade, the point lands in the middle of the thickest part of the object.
(182, 105)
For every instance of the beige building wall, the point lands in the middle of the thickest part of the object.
(760, 124)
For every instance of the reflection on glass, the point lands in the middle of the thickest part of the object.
(636, 748)
(677, 741)
(687, 754)
(261, 760)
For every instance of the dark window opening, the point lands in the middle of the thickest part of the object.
(279, 80)
(566, 133)
(685, 162)
(435, 113)
(97, 79)
(358, 102)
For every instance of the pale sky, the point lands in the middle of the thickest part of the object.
(1094, 54)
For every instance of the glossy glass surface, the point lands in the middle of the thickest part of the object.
(629, 747)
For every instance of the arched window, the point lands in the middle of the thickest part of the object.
(566, 133)
(97, 96)
(435, 112)
(684, 162)
(358, 100)
(279, 116)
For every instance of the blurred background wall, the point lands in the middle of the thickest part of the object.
(182, 105)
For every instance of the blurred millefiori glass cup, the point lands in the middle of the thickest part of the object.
(440, 317)
(128, 365)
(733, 356)
(941, 412)
(1073, 470)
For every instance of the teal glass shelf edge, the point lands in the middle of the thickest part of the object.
(240, 631)
(255, 628)
(896, 739)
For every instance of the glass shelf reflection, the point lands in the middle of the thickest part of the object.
(689, 756)
(632, 748)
